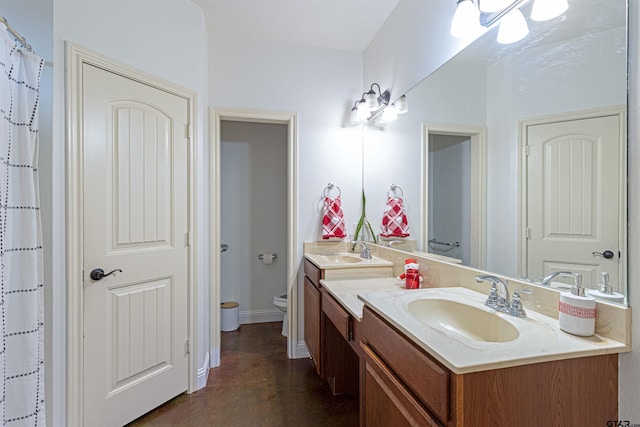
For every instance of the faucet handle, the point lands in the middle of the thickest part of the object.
(492, 298)
(515, 308)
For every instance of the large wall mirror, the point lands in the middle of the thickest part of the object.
(523, 150)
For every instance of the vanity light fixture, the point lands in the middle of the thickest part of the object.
(513, 25)
(370, 105)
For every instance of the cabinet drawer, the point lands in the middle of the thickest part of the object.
(337, 315)
(312, 272)
(387, 402)
(424, 376)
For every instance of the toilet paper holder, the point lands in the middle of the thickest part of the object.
(261, 256)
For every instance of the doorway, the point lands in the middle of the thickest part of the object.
(454, 192)
(253, 192)
(289, 258)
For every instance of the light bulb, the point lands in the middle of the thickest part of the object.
(402, 106)
(544, 10)
(390, 114)
(372, 100)
(363, 111)
(353, 117)
(513, 27)
(466, 20)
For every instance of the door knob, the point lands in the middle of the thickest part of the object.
(98, 273)
(606, 254)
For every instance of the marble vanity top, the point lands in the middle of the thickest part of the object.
(540, 338)
(346, 291)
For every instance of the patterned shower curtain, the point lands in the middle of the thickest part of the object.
(21, 277)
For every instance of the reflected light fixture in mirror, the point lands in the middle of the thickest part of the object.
(466, 20)
(513, 27)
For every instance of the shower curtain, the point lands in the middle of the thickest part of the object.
(21, 277)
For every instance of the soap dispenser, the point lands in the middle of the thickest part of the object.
(605, 292)
(577, 310)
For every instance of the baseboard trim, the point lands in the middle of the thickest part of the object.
(261, 316)
(203, 373)
(214, 361)
(302, 351)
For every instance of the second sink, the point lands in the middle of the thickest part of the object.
(472, 322)
(342, 258)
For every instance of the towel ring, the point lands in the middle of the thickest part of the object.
(393, 189)
(329, 188)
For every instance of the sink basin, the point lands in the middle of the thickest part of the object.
(467, 320)
(342, 258)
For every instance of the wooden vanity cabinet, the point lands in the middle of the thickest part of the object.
(340, 346)
(313, 313)
(401, 384)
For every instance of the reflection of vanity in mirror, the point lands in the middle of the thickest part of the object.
(524, 150)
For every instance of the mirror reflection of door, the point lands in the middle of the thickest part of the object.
(574, 183)
(449, 195)
(454, 195)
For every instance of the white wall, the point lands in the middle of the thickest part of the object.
(318, 84)
(253, 187)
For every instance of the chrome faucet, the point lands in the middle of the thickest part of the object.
(495, 300)
(502, 302)
(546, 281)
(366, 252)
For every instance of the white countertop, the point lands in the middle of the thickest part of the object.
(346, 291)
(324, 261)
(540, 337)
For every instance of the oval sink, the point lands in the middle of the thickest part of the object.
(343, 258)
(472, 322)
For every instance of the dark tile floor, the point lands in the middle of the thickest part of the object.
(257, 385)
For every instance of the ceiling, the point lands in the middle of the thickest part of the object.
(334, 24)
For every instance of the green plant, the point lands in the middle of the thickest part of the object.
(363, 222)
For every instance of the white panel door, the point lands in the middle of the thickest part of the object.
(573, 198)
(135, 168)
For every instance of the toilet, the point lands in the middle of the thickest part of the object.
(281, 303)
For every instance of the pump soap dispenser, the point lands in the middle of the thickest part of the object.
(606, 291)
(577, 310)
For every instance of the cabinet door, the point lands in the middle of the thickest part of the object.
(312, 321)
(386, 401)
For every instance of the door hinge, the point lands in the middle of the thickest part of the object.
(528, 234)
(526, 150)
(188, 131)
(187, 239)
(187, 346)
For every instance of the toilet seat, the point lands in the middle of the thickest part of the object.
(280, 301)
